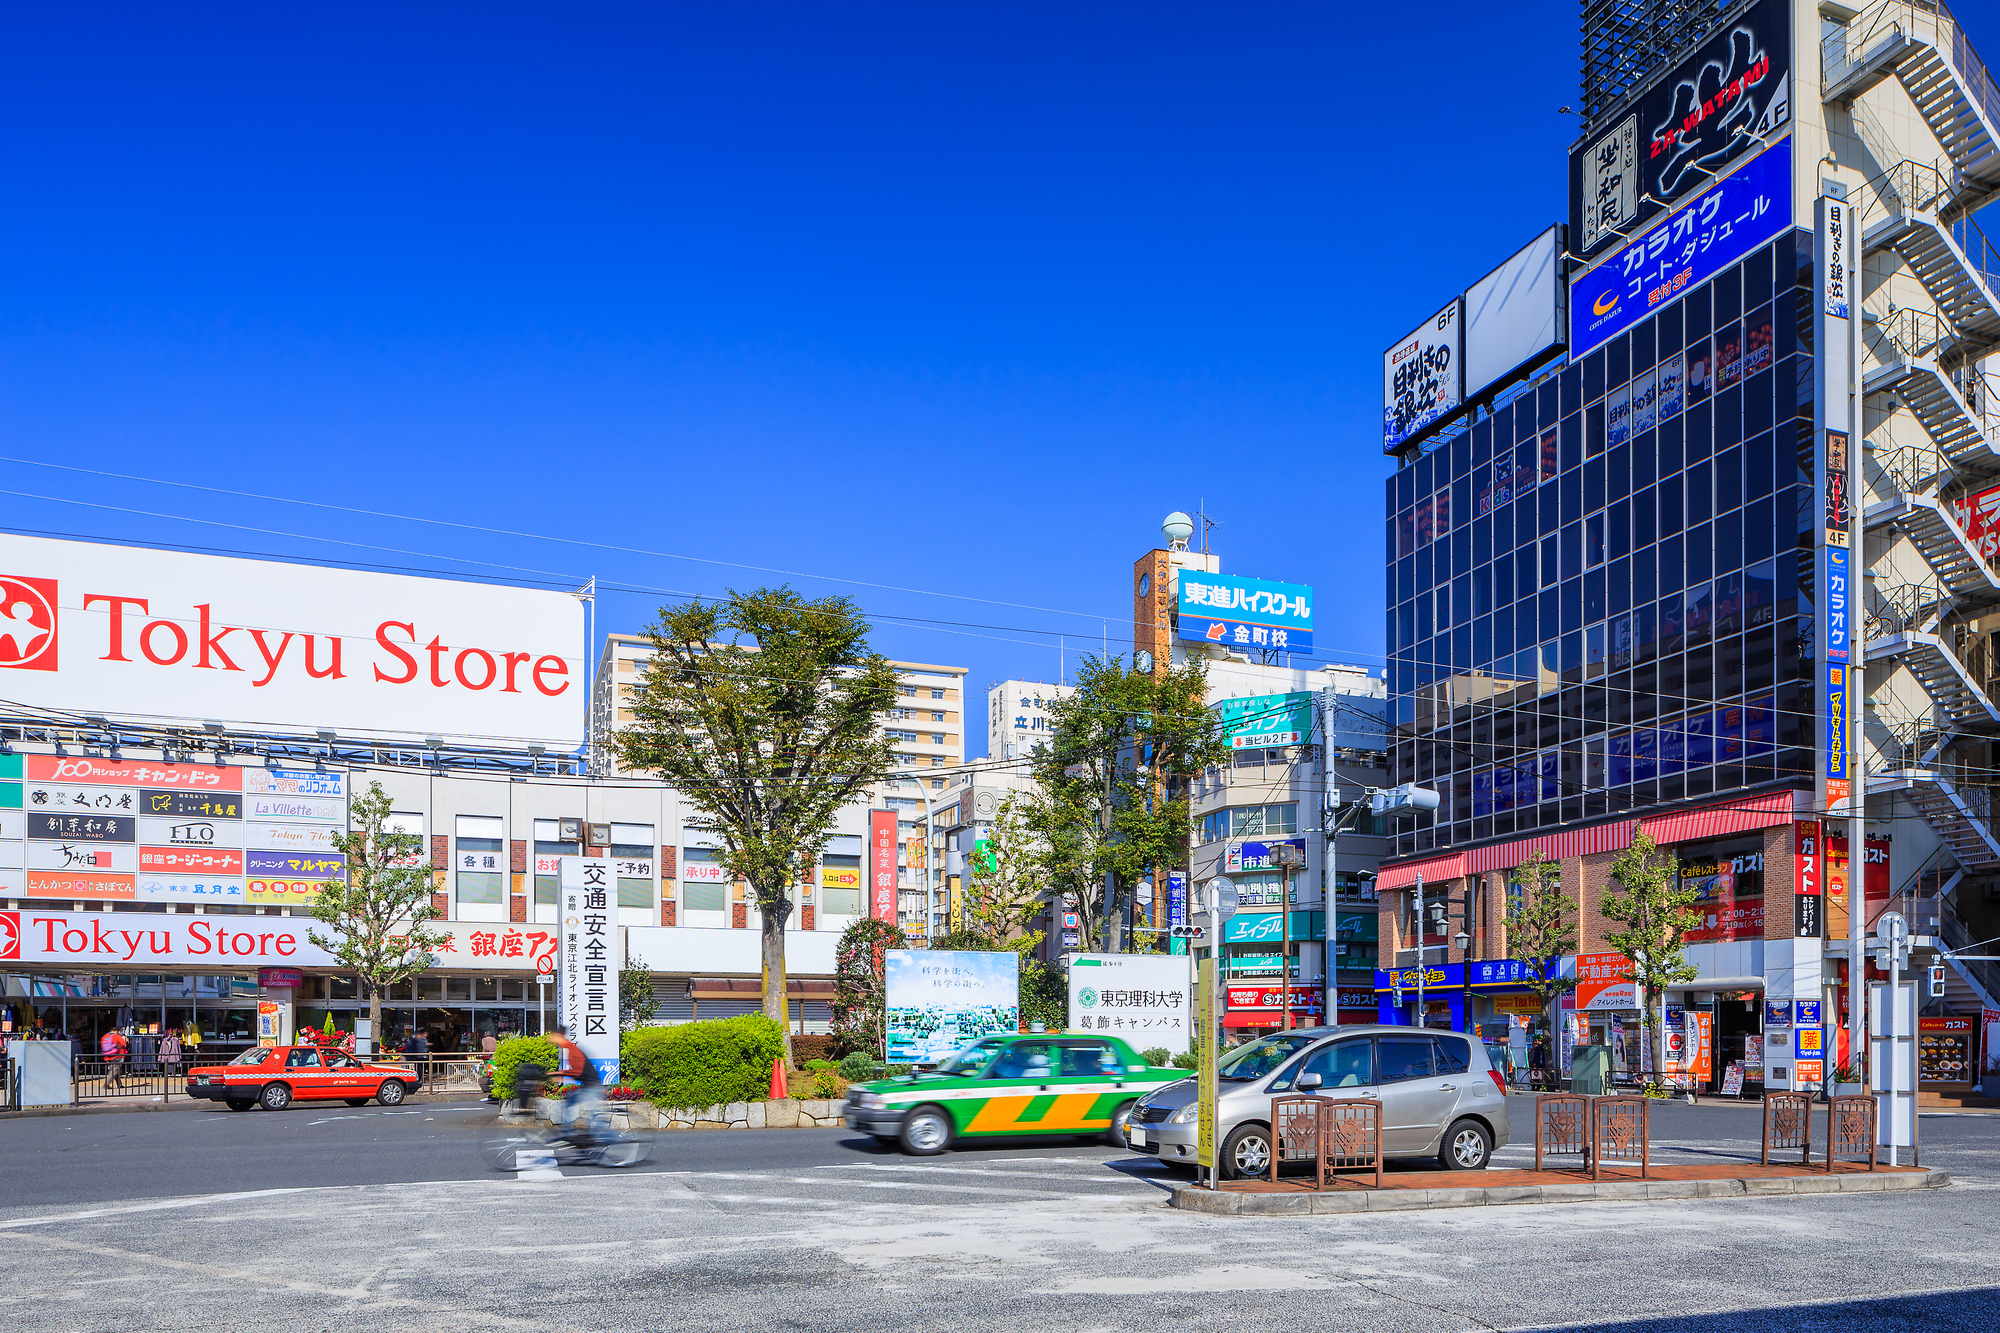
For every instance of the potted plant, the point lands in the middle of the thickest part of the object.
(1846, 1082)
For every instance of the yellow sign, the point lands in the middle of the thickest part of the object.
(1204, 1017)
(1531, 1005)
(840, 877)
(1407, 978)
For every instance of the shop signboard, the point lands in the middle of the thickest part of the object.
(1604, 981)
(1777, 1013)
(1252, 614)
(263, 645)
(1146, 998)
(882, 840)
(1738, 214)
(1730, 897)
(1978, 517)
(1242, 856)
(1306, 998)
(1945, 1050)
(1265, 721)
(1423, 378)
(1267, 928)
(588, 961)
(1177, 908)
(1732, 90)
(938, 1000)
(1808, 897)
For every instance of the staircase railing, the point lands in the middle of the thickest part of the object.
(1951, 932)
(1905, 742)
(1909, 334)
(1907, 608)
(1923, 20)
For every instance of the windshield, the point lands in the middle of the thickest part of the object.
(971, 1059)
(1250, 1063)
(255, 1056)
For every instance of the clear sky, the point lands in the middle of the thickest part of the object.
(948, 298)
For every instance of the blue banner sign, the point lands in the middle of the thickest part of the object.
(1808, 1013)
(1837, 593)
(1245, 613)
(1748, 208)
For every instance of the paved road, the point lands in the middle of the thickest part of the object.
(386, 1220)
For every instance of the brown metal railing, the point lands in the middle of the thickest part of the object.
(1850, 1130)
(1788, 1124)
(1334, 1134)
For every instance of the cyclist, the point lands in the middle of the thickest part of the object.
(583, 1103)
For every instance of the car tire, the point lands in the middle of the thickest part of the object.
(1120, 1118)
(1466, 1147)
(393, 1092)
(1246, 1153)
(275, 1097)
(926, 1132)
(240, 1103)
(355, 1101)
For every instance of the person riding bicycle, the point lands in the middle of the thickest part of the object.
(584, 1100)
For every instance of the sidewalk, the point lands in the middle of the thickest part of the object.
(132, 1105)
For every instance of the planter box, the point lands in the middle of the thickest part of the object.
(1846, 1089)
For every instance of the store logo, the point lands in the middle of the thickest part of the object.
(27, 623)
(10, 935)
(1604, 304)
(1087, 998)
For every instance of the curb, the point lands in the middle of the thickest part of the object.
(197, 1104)
(1225, 1203)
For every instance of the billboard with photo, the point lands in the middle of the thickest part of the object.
(1423, 378)
(938, 1000)
(1148, 999)
(1679, 133)
(1254, 614)
(164, 636)
(1514, 316)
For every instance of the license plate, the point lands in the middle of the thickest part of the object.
(1136, 1136)
(203, 1080)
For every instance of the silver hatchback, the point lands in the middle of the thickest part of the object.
(1440, 1096)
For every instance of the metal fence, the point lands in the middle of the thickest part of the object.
(95, 1078)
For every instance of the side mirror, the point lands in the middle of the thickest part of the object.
(1310, 1082)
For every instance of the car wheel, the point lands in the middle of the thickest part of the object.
(926, 1132)
(392, 1093)
(1246, 1154)
(276, 1097)
(1120, 1118)
(355, 1101)
(240, 1103)
(1467, 1147)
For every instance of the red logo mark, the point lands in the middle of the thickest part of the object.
(10, 935)
(27, 623)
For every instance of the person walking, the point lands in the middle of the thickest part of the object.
(170, 1057)
(113, 1049)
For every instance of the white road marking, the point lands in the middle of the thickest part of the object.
(536, 1164)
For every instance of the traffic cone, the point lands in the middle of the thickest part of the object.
(779, 1091)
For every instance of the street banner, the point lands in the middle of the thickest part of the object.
(588, 962)
(1144, 998)
(940, 1000)
(1206, 1079)
(882, 865)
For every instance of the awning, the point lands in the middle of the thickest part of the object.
(1719, 821)
(1434, 869)
(750, 988)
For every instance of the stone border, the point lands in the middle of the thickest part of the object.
(1235, 1203)
(787, 1113)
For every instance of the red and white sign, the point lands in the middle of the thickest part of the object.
(882, 865)
(1272, 997)
(1805, 858)
(138, 633)
(1978, 515)
(1602, 982)
(704, 872)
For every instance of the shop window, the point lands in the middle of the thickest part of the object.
(480, 886)
(546, 889)
(548, 840)
(481, 833)
(633, 892)
(632, 842)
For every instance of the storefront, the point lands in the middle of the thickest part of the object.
(1259, 951)
(1455, 997)
(1261, 1007)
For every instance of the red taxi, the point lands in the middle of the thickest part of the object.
(275, 1076)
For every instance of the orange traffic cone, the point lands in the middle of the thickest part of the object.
(778, 1089)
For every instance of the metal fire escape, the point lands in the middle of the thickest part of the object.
(1929, 365)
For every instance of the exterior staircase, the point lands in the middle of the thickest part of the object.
(1943, 544)
(1910, 343)
(1958, 697)
(1955, 264)
(1960, 817)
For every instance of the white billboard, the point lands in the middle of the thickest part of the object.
(132, 633)
(1148, 999)
(1514, 316)
(1423, 378)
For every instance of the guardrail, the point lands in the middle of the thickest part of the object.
(1343, 1134)
(96, 1078)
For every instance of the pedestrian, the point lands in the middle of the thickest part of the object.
(170, 1055)
(1538, 1063)
(486, 1044)
(113, 1049)
(416, 1045)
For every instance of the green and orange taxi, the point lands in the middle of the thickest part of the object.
(1000, 1087)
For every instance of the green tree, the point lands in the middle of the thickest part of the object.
(636, 1002)
(1539, 930)
(1006, 883)
(860, 984)
(1112, 806)
(375, 916)
(1657, 911)
(763, 711)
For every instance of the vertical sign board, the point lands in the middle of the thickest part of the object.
(1423, 378)
(1206, 1081)
(1177, 913)
(882, 865)
(587, 966)
(1832, 399)
(1808, 921)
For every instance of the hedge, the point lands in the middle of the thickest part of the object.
(519, 1051)
(703, 1064)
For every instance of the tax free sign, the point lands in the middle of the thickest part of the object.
(1246, 614)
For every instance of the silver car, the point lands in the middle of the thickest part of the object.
(1440, 1096)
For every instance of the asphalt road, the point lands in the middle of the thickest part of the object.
(336, 1218)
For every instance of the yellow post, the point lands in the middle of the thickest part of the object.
(1206, 1080)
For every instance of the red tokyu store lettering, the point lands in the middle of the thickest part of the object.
(205, 645)
(205, 938)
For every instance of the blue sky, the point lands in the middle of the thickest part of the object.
(956, 299)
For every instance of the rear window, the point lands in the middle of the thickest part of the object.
(1454, 1054)
(257, 1055)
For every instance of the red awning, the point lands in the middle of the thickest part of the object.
(1251, 1018)
(1721, 820)
(1434, 869)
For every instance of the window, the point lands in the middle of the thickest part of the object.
(704, 880)
(896, 735)
(634, 892)
(937, 784)
(1347, 1064)
(937, 738)
(1215, 826)
(937, 761)
(1025, 1059)
(1405, 1058)
(480, 886)
(907, 691)
(1249, 821)
(936, 716)
(302, 1059)
(840, 878)
(632, 842)
(1454, 1055)
(937, 694)
(548, 840)
(481, 833)
(1089, 1059)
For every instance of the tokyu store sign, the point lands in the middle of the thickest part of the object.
(127, 632)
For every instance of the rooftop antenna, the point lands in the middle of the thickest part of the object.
(1201, 512)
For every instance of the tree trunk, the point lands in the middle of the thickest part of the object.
(1114, 920)
(773, 911)
(374, 1017)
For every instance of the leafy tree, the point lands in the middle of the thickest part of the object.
(1539, 930)
(762, 710)
(1044, 994)
(636, 1002)
(1006, 885)
(1657, 910)
(1113, 801)
(860, 984)
(375, 917)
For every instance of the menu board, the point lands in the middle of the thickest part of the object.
(83, 829)
(1944, 1050)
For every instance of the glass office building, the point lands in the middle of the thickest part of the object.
(1598, 593)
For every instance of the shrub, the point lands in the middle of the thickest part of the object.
(857, 1066)
(807, 1049)
(704, 1064)
(1156, 1056)
(828, 1085)
(516, 1051)
(1186, 1060)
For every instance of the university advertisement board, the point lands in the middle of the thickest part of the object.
(939, 1000)
(1148, 999)
(139, 634)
